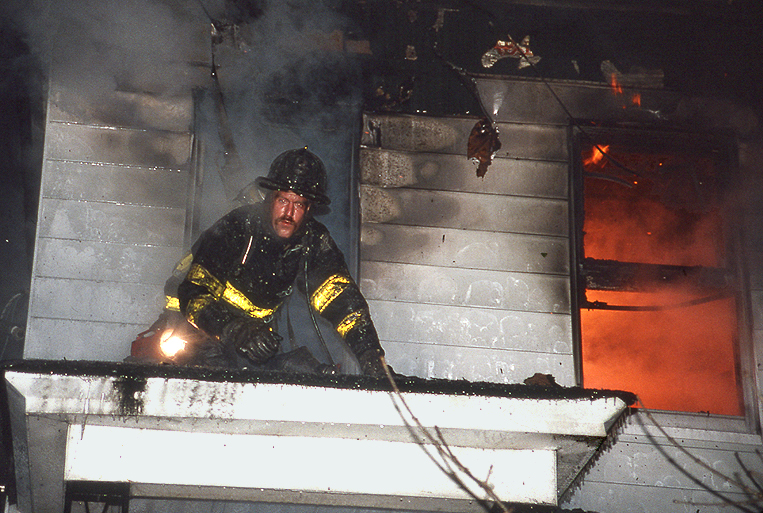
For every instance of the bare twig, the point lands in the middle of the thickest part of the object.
(447, 462)
(735, 482)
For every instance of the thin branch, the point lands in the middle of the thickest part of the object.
(749, 475)
(696, 460)
(445, 452)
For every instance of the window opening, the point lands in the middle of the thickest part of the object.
(659, 295)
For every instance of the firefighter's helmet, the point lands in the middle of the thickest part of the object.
(300, 171)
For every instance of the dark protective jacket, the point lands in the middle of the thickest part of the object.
(241, 268)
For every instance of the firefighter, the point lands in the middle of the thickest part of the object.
(245, 266)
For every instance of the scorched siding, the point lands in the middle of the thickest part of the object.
(461, 271)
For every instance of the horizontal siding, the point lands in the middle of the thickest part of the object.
(86, 300)
(97, 261)
(114, 145)
(644, 474)
(519, 331)
(475, 364)
(451, 135)
(627, 498)
(447, 247)
(387, 168)
(465, 287)
(82, 181)
(644, 458)
(109, 222)
(464, 210)
(467, 277)
(58, 339)
(124, 109)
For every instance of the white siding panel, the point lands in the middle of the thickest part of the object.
(465, 287)
(96, 301)
(466, 277)
(464, 210)
(532, 102)
(655, 475)
(627, 498)
(58, 339)
(476, 364)
(648, 464)
(446, 247)
(123, 108)
(529, 332)
(451, 135)
(88, 260)
(129, 147)
(108, 222)
(119, 184)
(387, 168)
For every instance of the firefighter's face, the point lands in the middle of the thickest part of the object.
(288, 212)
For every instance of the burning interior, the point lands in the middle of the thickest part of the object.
(660, 295)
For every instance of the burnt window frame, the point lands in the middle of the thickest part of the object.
(580, 134)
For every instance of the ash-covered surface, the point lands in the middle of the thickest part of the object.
(129, 372)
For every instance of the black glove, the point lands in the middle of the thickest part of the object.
(371, 362)
(252, 339)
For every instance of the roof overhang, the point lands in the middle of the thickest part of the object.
(185, 433)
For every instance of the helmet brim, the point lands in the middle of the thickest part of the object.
(273, 185)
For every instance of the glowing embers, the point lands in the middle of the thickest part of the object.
(659, 311)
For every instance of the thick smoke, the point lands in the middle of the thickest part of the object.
(108, 45)
(286, 54)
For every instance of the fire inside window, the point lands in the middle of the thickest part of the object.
(658, 290)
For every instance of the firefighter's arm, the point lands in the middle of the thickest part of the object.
(223, 312)
(339, 300)
(203, 290)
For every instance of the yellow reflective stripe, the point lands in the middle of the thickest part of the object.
(195, 306)
(328, 291)
(348, 323)
(172, 303)
(200, 276)
(239, 300)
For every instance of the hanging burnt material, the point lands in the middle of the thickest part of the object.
(483, 140)
(483, 144)
(511, 49)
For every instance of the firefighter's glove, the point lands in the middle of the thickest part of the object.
(372, 362)
(252, 339)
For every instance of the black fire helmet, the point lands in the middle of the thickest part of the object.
(300, 171)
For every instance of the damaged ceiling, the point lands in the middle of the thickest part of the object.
(414, 53)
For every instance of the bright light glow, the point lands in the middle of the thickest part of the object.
(170, 345)
(597, 154)
(681, 358)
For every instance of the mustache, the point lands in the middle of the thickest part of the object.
(285, 218)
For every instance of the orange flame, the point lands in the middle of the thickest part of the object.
(616, 87)
(597, 154)
(681, 358)
(636, 100)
